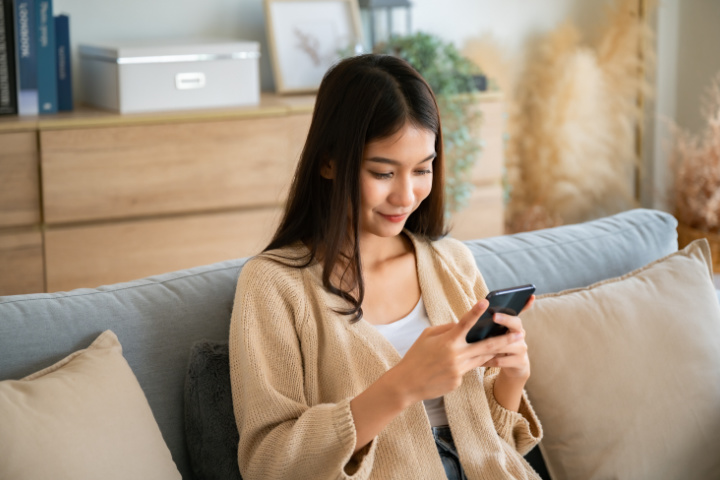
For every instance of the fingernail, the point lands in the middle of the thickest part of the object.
(499, 317)
(517, 336)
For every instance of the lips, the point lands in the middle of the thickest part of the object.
(395, 218)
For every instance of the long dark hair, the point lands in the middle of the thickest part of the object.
(361, 99)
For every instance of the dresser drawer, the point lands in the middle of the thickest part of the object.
(146, 170)
(19, 182)
(21, 262)
(90, 256)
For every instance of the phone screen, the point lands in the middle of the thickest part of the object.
(510, 301)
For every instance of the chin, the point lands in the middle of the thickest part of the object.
(386, 231)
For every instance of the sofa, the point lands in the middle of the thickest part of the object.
(162, 322)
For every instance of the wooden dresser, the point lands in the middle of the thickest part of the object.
(92, 198)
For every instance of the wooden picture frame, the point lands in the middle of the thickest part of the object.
(305, 38)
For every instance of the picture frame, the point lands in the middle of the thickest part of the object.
(305, 38)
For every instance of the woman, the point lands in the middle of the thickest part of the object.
(347, 343)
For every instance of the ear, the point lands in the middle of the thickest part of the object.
(327, 170)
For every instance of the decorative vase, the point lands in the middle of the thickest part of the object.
(687, 234)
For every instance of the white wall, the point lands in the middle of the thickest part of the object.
(688, 42)
(110, 21)
(511, 22)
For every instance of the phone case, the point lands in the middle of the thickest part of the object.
(510, 301)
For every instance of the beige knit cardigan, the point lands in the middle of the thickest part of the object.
(295, 365)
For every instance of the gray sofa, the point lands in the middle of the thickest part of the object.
(158, 319)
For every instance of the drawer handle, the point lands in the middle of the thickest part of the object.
(188, 81)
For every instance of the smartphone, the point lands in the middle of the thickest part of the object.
(510, 301)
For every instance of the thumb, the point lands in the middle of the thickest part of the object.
(468, 320)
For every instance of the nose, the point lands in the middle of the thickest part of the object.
(403, 194)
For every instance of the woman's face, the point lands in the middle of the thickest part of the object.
(395, 177)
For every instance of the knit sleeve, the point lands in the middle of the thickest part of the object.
(281, 436)
(520, 429)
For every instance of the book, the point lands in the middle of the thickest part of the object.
(25, 51)
(46, 57)
(8, 93)
(64, 70)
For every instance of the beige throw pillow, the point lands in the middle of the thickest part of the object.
(83, 418)
(626, 373)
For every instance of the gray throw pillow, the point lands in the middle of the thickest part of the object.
(210, 430)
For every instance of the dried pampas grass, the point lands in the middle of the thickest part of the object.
(696, 163)
(571, 153)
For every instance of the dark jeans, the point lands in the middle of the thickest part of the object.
(448, 453)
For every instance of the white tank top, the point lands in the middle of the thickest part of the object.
(402, 334)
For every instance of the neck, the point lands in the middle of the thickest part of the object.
(375, 250)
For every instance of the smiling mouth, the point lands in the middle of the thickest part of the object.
(395, 218)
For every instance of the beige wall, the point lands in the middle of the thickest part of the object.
(688, 46)
(698, 57)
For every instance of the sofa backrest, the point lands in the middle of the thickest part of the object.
(158, 319)
(572, 256)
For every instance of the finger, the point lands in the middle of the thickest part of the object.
(529, 304)
(438, 330)
(493, 345)
(468, 320)
(517, 350)
(492, 362)
(514, 349)
(514, 324)
(510, 361)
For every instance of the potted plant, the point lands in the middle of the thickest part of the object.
(454, 80)
(695, 161)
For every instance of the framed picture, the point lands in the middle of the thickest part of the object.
(306, 38)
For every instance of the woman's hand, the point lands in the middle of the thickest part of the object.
(513, 362)
(513, 359)
(437, 361)
(435, 365)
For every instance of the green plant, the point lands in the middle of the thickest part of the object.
(450, 75)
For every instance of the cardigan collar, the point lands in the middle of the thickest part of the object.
(432, 290)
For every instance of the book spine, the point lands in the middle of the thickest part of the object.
(64, 70)
(8, 93)
(46, 57)
(26, 57)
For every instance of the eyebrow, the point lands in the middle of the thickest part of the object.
(390, 161)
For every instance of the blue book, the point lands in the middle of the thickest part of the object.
(64, 71)
(46, 57)
(26, 54)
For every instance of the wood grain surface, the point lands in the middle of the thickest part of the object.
(135, 171)
(90, 256)
(21, 262)
(19, 183)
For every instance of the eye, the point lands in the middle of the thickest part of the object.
(423, 172)
(381, 176)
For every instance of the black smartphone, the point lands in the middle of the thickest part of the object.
(510, 301)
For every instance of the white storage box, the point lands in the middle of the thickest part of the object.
(148, 78)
